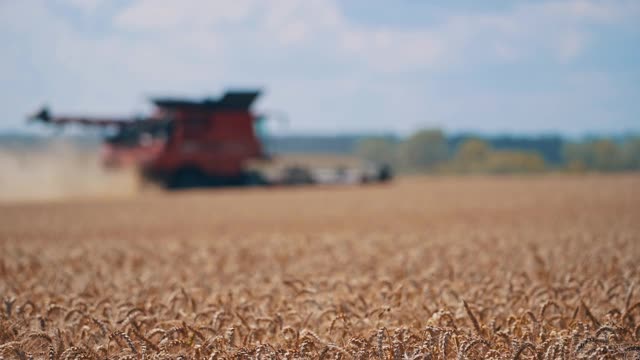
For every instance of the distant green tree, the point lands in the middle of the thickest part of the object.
(631, 153)
(473, 151)
(424, 150)
(600, 155)
(379, 150)
(476, 156)
(470, 157)
(576, 157)
(501, 162)
(606, 155)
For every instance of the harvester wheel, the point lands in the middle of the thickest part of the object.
(385, 173)
(187, 178)
(254, 178)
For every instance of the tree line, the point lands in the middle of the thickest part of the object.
(432, 151)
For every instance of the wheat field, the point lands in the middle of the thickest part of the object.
(424, 268)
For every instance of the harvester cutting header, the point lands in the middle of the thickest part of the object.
(210, 142)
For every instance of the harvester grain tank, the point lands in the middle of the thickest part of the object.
(187, 143)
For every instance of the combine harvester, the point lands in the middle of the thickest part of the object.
(212, 142)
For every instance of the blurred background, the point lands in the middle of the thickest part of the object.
(437, 87)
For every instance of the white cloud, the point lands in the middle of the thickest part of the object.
(553, 29)
(87, 6)
(198, 46)
(570, 45)
(153, 15)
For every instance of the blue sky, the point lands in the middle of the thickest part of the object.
(570, 67)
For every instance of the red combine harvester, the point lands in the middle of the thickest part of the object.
(186, 143)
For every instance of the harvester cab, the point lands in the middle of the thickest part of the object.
(208, 142)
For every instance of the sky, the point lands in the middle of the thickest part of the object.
(570, 67)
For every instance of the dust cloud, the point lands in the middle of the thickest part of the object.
(60, 170)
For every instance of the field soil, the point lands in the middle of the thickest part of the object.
(541, 267)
